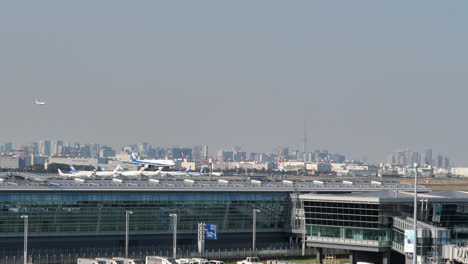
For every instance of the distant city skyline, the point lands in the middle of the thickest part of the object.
(367, 77)
(404, 157)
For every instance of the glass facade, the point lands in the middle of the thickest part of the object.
(375, 221)
(103, 212)
(363, 221)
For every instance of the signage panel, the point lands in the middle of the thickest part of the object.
(211, 232)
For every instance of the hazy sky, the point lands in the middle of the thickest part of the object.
(368, 77)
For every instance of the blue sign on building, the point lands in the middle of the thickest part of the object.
(211, 232)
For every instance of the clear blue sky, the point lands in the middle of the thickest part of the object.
(368, 77)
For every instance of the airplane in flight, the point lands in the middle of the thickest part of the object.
(81, 173)
(40, 103)
(122, 172)
(147, 163)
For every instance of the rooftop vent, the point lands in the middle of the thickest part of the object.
(117, 180)
(156, 181)
(255, 182)
(223, 181)
(318, 182)
(188, 181)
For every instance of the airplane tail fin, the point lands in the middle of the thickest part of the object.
(142, 169)
(201, 170)
(116, 169)
(60, 172)
(100, 168)
(72, 169)
(132, 155)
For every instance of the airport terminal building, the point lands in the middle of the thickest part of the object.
(366, 219)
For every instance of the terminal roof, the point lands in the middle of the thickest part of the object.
(383, 196)
(32, 183)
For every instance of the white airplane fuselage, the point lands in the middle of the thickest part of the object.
(151, 173)
(122, 172)
(173, 173)
(154, 162)
(105, 173)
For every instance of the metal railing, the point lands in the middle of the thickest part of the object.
(70, 256)
(348, 241)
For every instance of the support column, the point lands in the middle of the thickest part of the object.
(352, 258)
(386, 257)
(319, 256)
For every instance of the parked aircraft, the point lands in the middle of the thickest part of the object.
(195, 173)
(81, 173)
(123, 172)
(102, 172)
(65, 174)
(151, 173)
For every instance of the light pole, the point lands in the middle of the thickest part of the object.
(303, 225)
(415, 212)
(174, 235)
(127, 219)
(254, 228)
(25, 217)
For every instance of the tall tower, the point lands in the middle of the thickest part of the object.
(305, 142)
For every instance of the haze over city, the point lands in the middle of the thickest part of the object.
(368, 78)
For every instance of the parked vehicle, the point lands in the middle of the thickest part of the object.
(200, 261)
(128, 260)
(89, 261)
(250, 260)
(185, 261)
(159, 260)
(216, 262)
(110, 261)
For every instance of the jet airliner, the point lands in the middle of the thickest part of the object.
(123, 172)
(156, 163)
(40, 103)
(81, 173)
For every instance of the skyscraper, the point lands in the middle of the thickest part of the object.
(44, 147)
(428, 156)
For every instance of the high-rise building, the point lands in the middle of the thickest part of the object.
(225, 155)
(143, 148)
(240, 156)
(7, 147)
(106, 152)
(338, 158)
(439, 161)
(56, 147)
(205, 152)
(401, 158)
(283, 152)
(415, 157)
(446, 163)
(44, 147)
(179, 153)
(428, 156)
